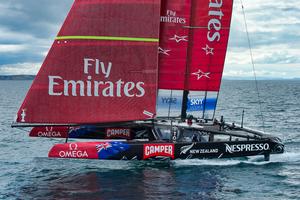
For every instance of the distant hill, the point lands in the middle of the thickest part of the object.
(17, 77)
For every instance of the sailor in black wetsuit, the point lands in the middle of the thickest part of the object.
(195, 138)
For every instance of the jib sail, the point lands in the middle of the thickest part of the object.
(194, 36)
(102, 66)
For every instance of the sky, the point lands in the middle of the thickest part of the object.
(28, 28)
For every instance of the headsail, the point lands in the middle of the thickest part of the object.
(102, 64)
(192, 53)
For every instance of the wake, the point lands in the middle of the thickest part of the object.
(287, 158)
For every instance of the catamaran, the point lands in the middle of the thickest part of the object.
(141, 78)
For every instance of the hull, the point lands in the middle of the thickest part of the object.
(122, 150)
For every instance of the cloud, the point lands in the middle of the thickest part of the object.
(282, 71)
(27, 30)
(274, 38)
(268, 21)
(40, 18)
(11, 48)
(20, 68)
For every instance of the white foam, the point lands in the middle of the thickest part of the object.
(205, 162)
(289, 157)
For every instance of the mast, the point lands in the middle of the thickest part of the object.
(188, 63)
(184, 104)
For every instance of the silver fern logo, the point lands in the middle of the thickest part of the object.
(185, 149)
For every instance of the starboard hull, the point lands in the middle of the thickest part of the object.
(122, 150)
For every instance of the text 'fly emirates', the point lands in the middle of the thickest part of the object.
(58, 86)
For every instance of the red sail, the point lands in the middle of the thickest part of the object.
(209, 32)
(197, 64)
(102, 66)
(175, 16)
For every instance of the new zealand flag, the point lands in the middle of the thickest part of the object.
(110, 149)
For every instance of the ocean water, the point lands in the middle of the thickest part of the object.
(27, 173)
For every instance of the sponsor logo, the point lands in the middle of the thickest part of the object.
(91, 87)
(117, 133)
(195, 104)
(186, 148)
(153, 150)
(196, 101)
(189, 149)
(23, 115)
(168, 100)
(202, 151)
(214, 24)
(171, 17)
(48, 132)
(73, 152)
(234, 148)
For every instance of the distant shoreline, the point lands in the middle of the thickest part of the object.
(17, 77)
(31, 77)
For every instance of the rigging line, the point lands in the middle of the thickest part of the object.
(253, 67)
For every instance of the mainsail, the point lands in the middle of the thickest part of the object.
(102, 64)
(193, 43)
